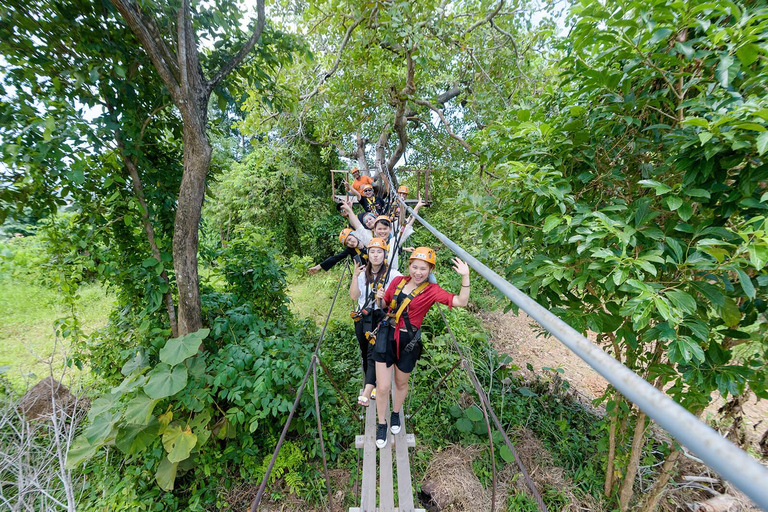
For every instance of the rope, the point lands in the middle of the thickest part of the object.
(263, 486)
(486, 403)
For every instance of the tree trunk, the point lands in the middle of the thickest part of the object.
(625, 494)
(608, 487)
(362, 161)
(197, 160)
(653, 496)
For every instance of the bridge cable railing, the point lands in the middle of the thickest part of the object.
(730, 461)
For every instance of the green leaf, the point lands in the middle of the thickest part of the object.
(133, 439)
(526, 392)
(456, 411)
(697, 192)
(748, 53)
(178, 443)
(164, 381)
(137, 362)
(464, 425)
(696, 121)
(551, 223)
(705, 137)
(139, 409)
(176, 350)
(166, 474)
(758, 256)
(682, 301)
(710, 291)
(722, 72)
(101, 428)
(506, 454)
(659, 187)
(746, 284)
(474, 413)
(730, 313)
(762, 143)
(685, 211)
(659, 35)
(673, 202)
(80, 451)
(149, 262)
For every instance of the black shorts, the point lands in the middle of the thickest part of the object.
(407, 360)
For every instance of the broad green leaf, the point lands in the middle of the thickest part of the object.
(748, 54)
(133, 439)
(526, 392)
(730, 313)
(474, 413)
(696, 192)
(659, 35)
(762, 143)
(685, 211)
(722, 72)
(696, 121)
(139, 409)
(673, 202)
(464, 425)
(758, 256)
(710, 291)
(746, 284)
(80, 451)
(506, 454)
(166, 474)
(178, 443)
(682, 300)
(176, 350)
(705, 137)
(138, 362)
(199, 426)
(659, 187)
(165, 381)
(101, 428)
(551, 223)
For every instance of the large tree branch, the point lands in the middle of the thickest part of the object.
(445, 122)
(145, 33)
(448, 96)
(336, 63)
(240, 55)
(486, 19)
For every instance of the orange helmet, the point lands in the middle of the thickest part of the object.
(377, 242)
(402, 189)
(382, 217)
(354, 170)
(424, 254)
(367, 187)
(344, 234)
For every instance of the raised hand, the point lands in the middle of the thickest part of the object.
(460, 267)
(359, 269)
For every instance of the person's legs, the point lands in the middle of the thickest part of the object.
(383, 387)
(401, 389)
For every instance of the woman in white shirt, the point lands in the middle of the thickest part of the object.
(366, 281)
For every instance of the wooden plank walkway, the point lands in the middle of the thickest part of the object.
(401, 442)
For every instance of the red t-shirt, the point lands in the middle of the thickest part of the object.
(419, 306)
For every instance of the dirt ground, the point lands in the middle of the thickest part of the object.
(518, 336)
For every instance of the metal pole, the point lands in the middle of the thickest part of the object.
(732, 463)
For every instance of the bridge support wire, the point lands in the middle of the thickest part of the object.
(310, 369)
(731, 462)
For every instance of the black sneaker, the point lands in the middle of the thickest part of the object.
(394, 420)
(381, 435)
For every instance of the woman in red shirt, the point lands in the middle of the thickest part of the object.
(398, 342)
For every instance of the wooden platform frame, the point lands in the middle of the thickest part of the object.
(401, 442)
(410, 202)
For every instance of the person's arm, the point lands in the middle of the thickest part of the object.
(462, 299)
(354, 289)
(353, 190)
(333, 260)
(415, 210)
(351, 217)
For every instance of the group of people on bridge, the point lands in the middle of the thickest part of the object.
(390, 306)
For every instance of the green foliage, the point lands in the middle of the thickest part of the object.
(613, 205)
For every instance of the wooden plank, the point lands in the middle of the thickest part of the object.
(404, 485)
(359, 442)
(368, 489)
(386, 483)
